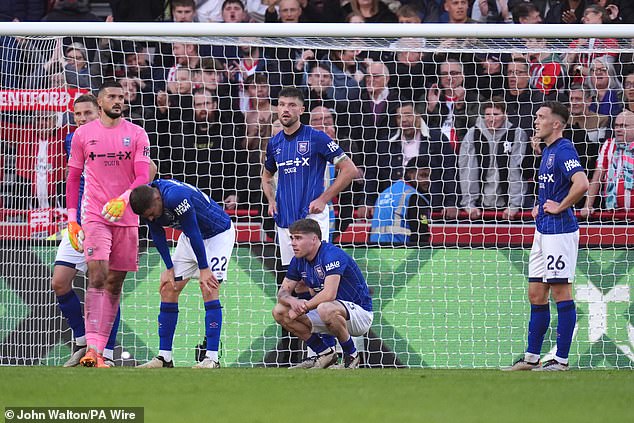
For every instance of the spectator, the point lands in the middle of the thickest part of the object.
(233, 11)
(615, 169)
(490, 164)
(137, 66)
(133, 109)
(407, 13)
(378, 104)
(521, 100)
(595, 125)
(39, 164)
(183, 10)
(323, 119)
(449, 106)
(566, 11)
(490, 77)
(457, 11)
(403, 211)
(213, 77)
(547, 71)
(606, 88)
(261, 113)
(71, 11)
(138, 10)
(76, 71)
(408, 69)
(490, 11)
(628, 89)
(214, 11)
(579, 63)
(428, 10)
(213, 153)
(412, 138)
(373, 11)
(22, 10)
(526, 13)
(290, 11)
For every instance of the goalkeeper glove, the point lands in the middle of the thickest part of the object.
(76, 236)
(113, 210)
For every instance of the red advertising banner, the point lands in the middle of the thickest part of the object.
(54, 99)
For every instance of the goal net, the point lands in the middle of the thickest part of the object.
(447, 270)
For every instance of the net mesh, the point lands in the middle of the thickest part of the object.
(455, 298)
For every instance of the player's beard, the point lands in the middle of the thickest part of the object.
(291, 122)
(112, 114)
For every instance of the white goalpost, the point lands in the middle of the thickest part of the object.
(453, 297)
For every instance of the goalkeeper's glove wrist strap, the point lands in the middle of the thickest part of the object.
(72, 215)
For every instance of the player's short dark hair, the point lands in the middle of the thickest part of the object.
(557, 108)
(292, 92)
(141, 199)
(416, 163)
(523, 10)
(226, 2)
(305, 226)
(109, 83)
(86, 98)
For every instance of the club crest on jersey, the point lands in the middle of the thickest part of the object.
(551, 161)
(126, 141)
(303, 147)
(320, 272)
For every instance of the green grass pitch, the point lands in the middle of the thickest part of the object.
(363, 396)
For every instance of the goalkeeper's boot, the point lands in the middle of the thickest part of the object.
(157, 363)
(349, 362)
(307, 363)
(326, 359)
(552, 366)
(207, 363)
(78, 352)
(93, 359)
(522, 364)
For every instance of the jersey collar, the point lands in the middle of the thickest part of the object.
(294, 134)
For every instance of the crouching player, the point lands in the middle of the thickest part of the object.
(203, 251)
(341, 306)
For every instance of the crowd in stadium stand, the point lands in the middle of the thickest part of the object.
(210, 109)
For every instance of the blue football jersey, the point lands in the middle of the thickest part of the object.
(184, 203)
(332, 260)
(68, 141)
(559, 162)
(301, 161)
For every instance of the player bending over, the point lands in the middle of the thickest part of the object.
(203, 251)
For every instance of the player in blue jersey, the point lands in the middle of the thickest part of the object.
(341, 305)
(551, 268)
(203, 251)
(68, 261)
(299, 154)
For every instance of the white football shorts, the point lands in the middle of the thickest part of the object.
(553, 258)
(358, 324)
(218, 249)
(69, 257)
(284, 236)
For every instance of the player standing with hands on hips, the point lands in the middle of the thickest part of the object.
(551, 268)
(114, 156)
